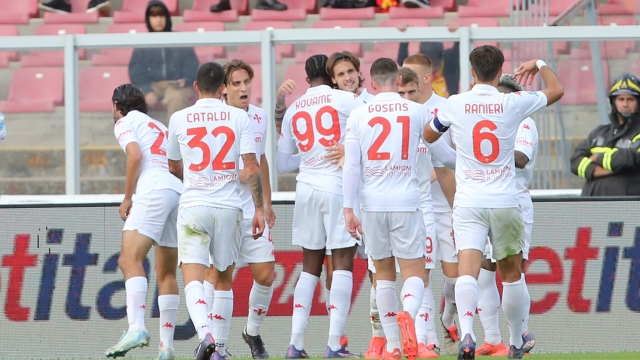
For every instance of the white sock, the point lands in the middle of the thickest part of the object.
(513, 308)
(302, 299)
(259, 300)
(168, 305)
(327, 300)
(449, 293)
(197, 306)
(527, 306)
(376, 325)
(388, 305)
(209, 297)
(425, 323)
(489, 306)
(411, 294)
(136, 289)
(340, 303)
(467, 302)
(222, 312)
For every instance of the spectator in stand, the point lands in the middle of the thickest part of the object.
(225, 5)
(164, 74)
(64, 6)
(609, 158)
(446, 63)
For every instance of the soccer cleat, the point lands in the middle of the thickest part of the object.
(529, 341)
(293, 353)
(256, 345)
(451, 338)
(376, 346)
(396, 354)
(344, 341)
(340, 354)
(96, 5)
(56, 6)
(490, 349)
(206, 348)
(467, 348)
(515, 353)
(430, 351)
(408, 334)
(129, 340)
(166, 354)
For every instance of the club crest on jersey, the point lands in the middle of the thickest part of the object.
(257, 118)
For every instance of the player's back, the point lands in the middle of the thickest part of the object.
(389, 130)
(484, 124)
(316, 121)
(211, 136)
(152, 138)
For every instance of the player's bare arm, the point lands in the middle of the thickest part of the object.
(269, 214)
(521, 159)
(252, 170)
(527, 71)
(287, 88)
(242, 176)
(175, 167)
(134, 165)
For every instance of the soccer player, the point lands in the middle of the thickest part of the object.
(257, 253)
(149, 218)
(344, 69)
(526, 150)
(312, 123)
(205, 142)
(381, 146)
(442, 192)
(484, 124)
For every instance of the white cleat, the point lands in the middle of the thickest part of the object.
(166, 354)
(129, 340)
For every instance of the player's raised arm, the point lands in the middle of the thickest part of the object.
(350, 181)
(286, 161)
(553, 88)
(287, 88)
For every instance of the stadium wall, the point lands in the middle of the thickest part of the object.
(61, 287)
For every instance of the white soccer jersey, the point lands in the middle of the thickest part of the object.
(440, 203)
(209, 138)
(526, 143)
(259, 120)
(151, 136)
(484, 123)
(314, 122)
(388, 131)
(365, 96)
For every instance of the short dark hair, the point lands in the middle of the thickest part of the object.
(210, 77)
(486, 61)
(129, 97)
(408, 76)
(337, 57)
(236, 65)
(158, 10)
(383, 71)
(316, 68)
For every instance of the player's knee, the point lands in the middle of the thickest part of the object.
(265, 279)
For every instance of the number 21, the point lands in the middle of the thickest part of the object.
(374, 153)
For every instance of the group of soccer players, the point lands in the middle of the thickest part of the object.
(405, 177)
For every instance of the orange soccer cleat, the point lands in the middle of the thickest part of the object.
(396, 354)
(376, 347)
(428, 351)
(344, 341)
(491, 349)
(408, 334)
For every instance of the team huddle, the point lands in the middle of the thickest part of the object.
(403, 178)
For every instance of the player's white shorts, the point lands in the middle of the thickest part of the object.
(401, 234)
(503, 225)
(208, 235)
(154, 215)
(528, 228)
(445, 239)
(318, 220)
(255, 251)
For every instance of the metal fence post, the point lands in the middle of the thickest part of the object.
(268, 102)
(72, 118)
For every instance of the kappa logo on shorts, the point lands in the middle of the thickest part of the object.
(468, 313)
(218, 317)
(201, 302)
(390, 314)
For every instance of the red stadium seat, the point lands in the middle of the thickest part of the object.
(579, 82)
(251, 53)
(309, 6)
(479, 22)
(328, 49)
(347, 14)
(78, 15)
(296, 73)
(133, 11)
(97, 84)
(480, 8)
(608, 50)
(527, 50)
(619, 7)
(256, 85)
(390, 49)
(200, 11)
(8, 55)
(39, 58)
(204, 53)
(18, 11)
(118, 56)
(400, 12)
(34, 90)
(617, 20)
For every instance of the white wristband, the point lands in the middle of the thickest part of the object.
(540, 64)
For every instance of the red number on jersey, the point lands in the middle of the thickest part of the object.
(156, 148)
(429, 246)
(373, 153)
(479, 136)
(218, 162)
(330, 136)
